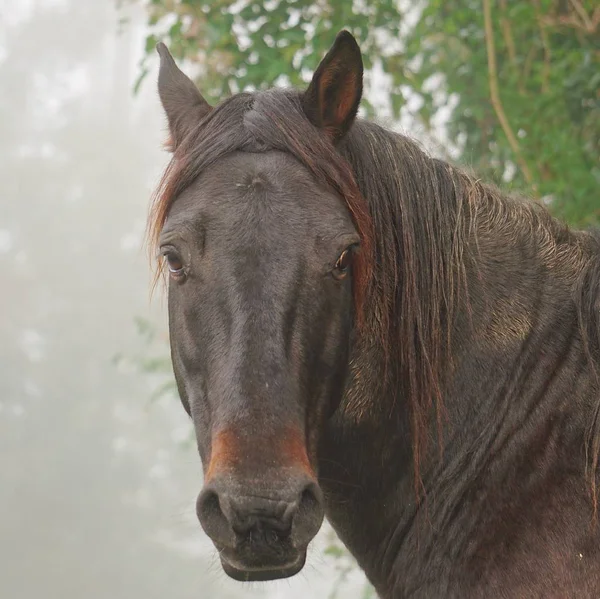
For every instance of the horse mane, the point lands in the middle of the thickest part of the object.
(587, 297)
(414, 215)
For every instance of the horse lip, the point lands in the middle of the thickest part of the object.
(262, 574)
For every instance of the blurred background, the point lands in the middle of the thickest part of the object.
(98, 475)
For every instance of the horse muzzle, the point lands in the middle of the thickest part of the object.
(261, 536)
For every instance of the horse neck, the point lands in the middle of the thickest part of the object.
(519, 385)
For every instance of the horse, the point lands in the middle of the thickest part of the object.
(362, 331)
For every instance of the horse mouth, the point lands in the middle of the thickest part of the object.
(261, 572)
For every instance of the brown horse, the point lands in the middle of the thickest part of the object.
(363, 331)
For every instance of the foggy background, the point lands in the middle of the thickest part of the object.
(97, 483)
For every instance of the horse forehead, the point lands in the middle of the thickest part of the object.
(276, 177)
(251, 192)
(274, 165)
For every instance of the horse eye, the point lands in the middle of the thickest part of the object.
(174, 263)
(342, 266)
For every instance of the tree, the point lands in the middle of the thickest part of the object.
(522, 76)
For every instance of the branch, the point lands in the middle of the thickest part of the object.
(507, 34)
(588, 25)
(495, 96)
(596, 18)
(528, 62)
(545, 44)
(510, 46)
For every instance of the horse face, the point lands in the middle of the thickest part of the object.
(260, 312)
(260, 316)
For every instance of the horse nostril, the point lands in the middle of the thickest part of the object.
(213, 519)
(309, 515)
(209, 503)
(310, 499)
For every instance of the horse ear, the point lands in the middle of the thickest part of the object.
(181, 100)
(332, 98)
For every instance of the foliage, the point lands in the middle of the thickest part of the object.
(544, 118)
(539, 133)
